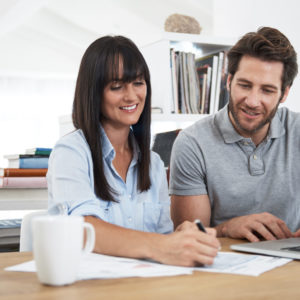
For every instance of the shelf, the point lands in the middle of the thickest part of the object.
(27, 199)
(195, 38)
(66, 125)
(157, 56)
(177, 117)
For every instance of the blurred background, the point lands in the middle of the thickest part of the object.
(42, 42)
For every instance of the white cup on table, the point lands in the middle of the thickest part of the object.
(58, 247)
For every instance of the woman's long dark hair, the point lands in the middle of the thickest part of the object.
(99, 66)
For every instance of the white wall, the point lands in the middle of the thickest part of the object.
(42, 42)
(234, 18)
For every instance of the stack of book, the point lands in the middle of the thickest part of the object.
(26, 170)
(10, 235)
(212, 73)
(198, 85)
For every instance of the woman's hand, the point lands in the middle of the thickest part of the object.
(188, 246)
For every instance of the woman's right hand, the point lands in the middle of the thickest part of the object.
(188, 246)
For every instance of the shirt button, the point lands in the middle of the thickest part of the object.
(130, 219)
(254, 157)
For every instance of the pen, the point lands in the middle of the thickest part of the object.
(200, 225)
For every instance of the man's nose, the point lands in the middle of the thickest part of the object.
(253, 98)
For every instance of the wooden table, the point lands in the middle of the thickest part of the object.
(280, 283)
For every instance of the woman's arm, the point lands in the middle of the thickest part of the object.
(186, 247)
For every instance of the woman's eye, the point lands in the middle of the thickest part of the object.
(115, 87)
(139, 82)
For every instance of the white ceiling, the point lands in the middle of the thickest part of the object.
(48, 37)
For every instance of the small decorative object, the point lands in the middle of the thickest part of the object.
(183, 24)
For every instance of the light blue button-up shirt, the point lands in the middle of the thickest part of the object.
(71, 186)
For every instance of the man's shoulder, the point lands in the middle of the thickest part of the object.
(289, 118)
(200, 127)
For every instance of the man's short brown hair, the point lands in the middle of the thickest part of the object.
(267, 44)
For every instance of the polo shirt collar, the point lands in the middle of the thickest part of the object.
(229, 133)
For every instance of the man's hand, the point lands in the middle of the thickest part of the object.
(297, 233)
(265, 225)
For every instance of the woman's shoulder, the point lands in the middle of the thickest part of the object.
(73, 138)
(156, 161)
(73, 141)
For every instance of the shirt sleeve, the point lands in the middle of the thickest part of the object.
(70, 179)
(187, 167)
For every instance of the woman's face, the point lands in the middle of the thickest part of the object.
(123, 103)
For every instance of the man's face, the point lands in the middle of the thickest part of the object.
(255, 93)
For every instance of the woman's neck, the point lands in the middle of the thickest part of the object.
(118, 137)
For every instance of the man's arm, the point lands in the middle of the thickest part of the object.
(190, 208)
(250, 227)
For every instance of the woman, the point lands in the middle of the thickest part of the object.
(105, 171)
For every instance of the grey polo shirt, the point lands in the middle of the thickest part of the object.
(211, 158)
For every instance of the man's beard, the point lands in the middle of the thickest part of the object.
(265, 121)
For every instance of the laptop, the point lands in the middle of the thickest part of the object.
(289, 248)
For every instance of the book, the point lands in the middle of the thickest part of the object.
(174, 79)
(218, 81)
(23, 182)
(193, 84)
(17, 156)
(39, 151)
(224, 94)
(16, 172)
(9, 240)
(212, 62)
(204, 76)
(10, 227)
(36, 162)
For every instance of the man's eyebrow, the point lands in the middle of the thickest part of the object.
(243, 80)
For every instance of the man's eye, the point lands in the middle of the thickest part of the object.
(268, 91)
(244, 86)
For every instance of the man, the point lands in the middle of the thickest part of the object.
(238, 170)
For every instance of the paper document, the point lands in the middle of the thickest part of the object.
(243, 264)
(95, 266)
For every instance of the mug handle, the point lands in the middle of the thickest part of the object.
(90, 237)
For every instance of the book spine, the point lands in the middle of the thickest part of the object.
(33, 155)
(24, 182)
(33, 163)
(12, 172)
(42, 152)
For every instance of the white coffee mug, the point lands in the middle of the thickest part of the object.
(58, 247)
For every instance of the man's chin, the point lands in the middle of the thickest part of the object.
(250, 129)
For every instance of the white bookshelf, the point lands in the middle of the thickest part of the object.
(157, 55)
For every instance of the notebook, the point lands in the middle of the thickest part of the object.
(289, 248)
